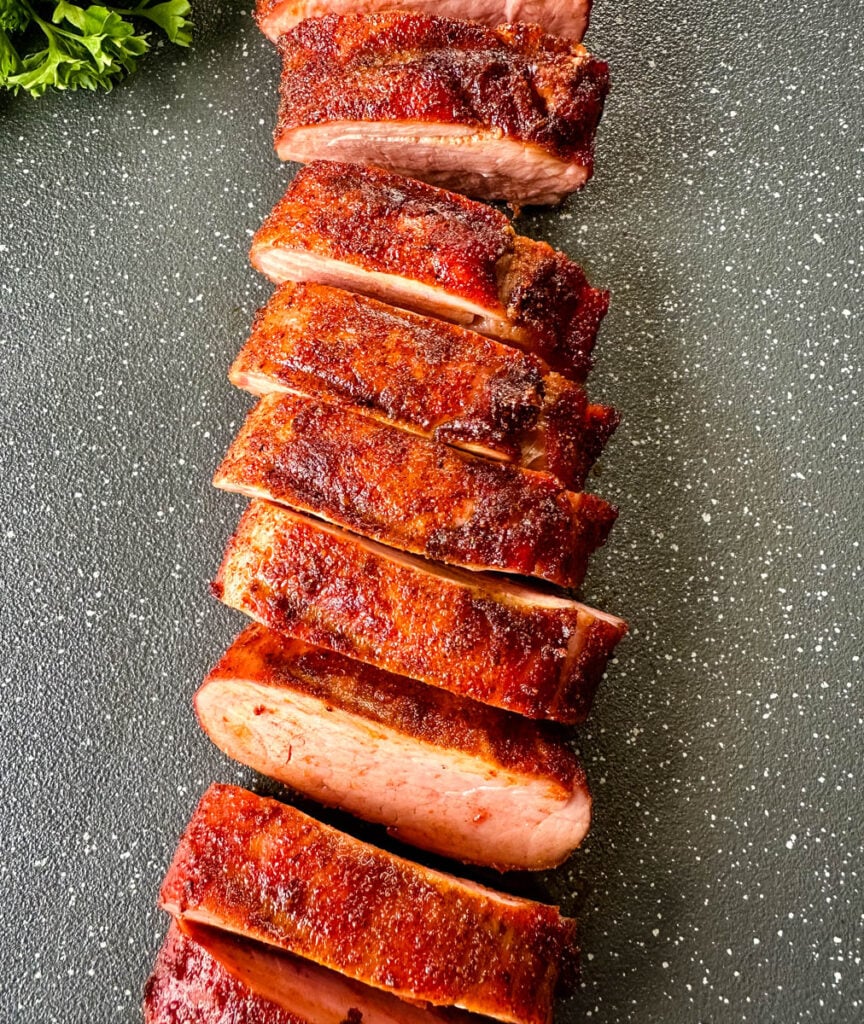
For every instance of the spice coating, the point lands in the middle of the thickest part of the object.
(412, 493)
(464, 632)
(396, 66)
(422, 237)
(268, 872)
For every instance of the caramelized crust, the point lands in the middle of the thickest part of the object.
(433, 378)
(439, 771)
(413, 494)
(204, 975)
(189, 986)
(265, 871)
(435, 252)
(502, 740)
(570, 19)
(472, 634)
(415, 76)
(549, 299)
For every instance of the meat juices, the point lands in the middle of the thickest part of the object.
(434, 252)
(474, 634)
(570, 20)
(413, 494)
(441, 772)
(265, 871)
(505, 113)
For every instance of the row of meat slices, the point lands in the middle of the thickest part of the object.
(278, 918)
(420, 432)
(495, 106)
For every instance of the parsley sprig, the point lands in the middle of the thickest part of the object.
(49, 45)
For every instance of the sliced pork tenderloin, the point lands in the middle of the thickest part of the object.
(412, 493)
(206, 976)
(475, 634)
(498, 113)
(433, 378)
(265, 871)
(440, 771)
(188, 985)
(434, 252)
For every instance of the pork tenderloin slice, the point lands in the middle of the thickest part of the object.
(188, 985)
(482, 636)
(570, 20)
(500, 113)
(434, 252)
(265, 871)
(412, 493)
(424, 375)
(441, 772)
(478, 162)
(206, 976)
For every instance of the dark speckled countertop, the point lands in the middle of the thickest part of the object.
(722, 881)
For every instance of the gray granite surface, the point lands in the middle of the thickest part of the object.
(722, 881)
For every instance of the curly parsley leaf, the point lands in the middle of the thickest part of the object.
(170, 16)
(14, 16)
(83, 47)
(9, 62)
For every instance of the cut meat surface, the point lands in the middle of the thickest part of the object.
(500, 113)
(189, 986)
(265, 871)
(434, 252)
(413, 494)
(206, 976)
(475, 634)
(441, 772)
(424, 375)
(570, 20)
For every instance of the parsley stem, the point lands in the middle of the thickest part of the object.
(50, 31)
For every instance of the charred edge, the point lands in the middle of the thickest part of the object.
(587, 671)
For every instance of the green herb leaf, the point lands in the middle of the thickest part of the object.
(102, 50)
(170, 16)
(14, 16)
(84, 47)
(9, 60)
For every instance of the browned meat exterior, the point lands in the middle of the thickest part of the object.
(471, 633)
(413, 494)
(500, 113)
(207, 976)
(570, 19)
(189, 986)
(432, 378)
(265, 871)
(440, 771)
(434, 252)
